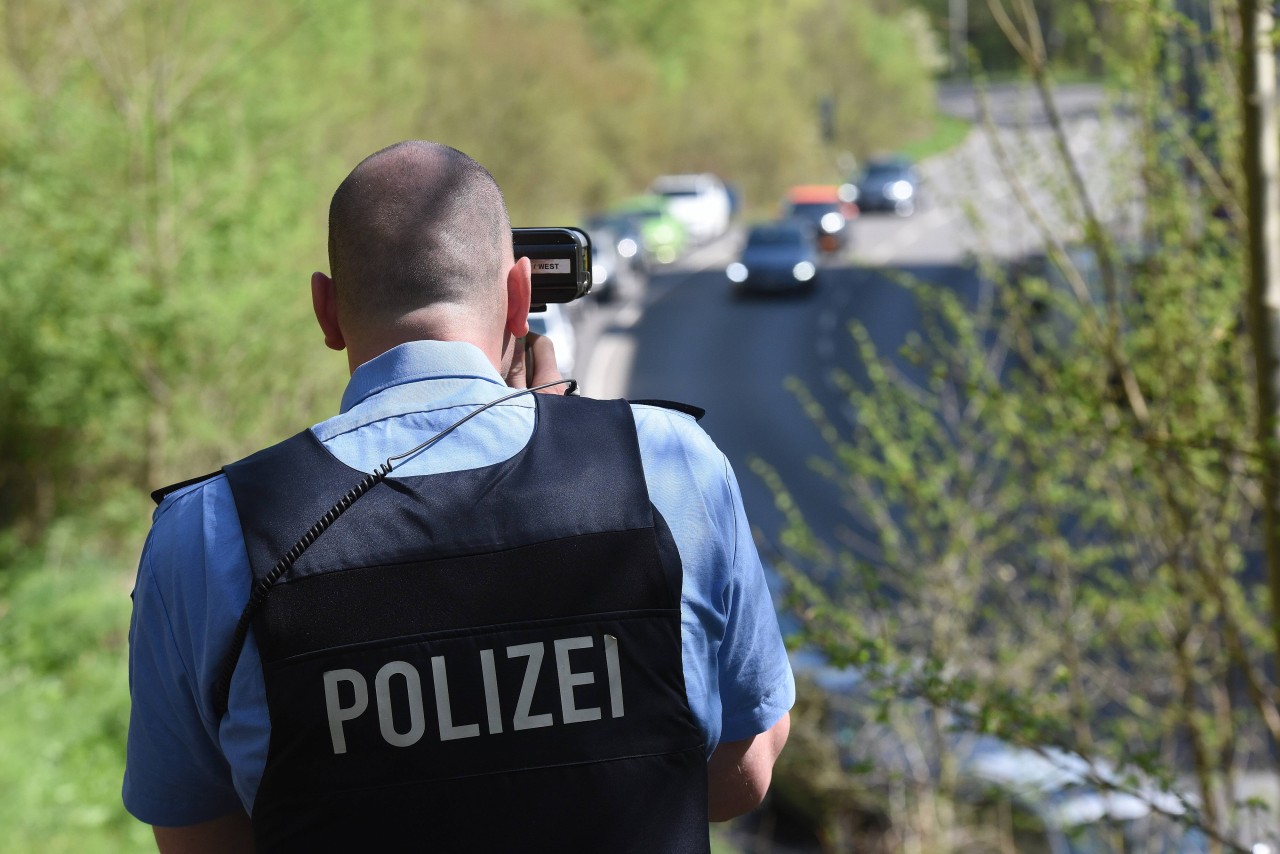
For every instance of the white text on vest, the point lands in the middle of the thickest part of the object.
(521, 718)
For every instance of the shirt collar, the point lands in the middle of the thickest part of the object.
(415, 361)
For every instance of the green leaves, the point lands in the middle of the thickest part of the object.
(166, 169)
(165, 174)
(64, 704)
(1052, 562)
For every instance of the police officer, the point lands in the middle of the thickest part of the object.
(449, 618)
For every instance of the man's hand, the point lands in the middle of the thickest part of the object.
(534, 363)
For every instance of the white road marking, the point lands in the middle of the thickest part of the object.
(628, 315)
(826, 345)
(610, 366)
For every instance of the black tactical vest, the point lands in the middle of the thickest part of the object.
(486, 660)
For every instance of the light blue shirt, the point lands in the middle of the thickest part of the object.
(186, 765)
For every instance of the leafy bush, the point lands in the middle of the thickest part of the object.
(64, 704)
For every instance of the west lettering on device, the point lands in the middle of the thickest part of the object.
(534, 656)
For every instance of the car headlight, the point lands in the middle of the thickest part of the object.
(627, 248)
(736, 272)
(599, 274)
(804, 271)
(847, 193)
(900, 190)
(831, 222)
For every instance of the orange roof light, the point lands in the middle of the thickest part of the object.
(813, 193)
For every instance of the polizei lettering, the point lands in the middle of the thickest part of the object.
(513, 692)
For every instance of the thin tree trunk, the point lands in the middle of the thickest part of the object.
(1261, 169)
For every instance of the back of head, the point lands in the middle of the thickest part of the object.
(417, 225)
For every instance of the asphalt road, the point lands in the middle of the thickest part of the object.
(698, 344)
(688, 339)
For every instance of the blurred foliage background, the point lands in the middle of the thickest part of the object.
(165, 171)
(1061, 486)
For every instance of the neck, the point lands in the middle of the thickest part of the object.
(438, 323)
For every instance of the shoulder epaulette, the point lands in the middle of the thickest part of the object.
(688, 409)
(160, 494)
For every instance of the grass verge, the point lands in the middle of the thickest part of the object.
(64, 707)
(948, 132)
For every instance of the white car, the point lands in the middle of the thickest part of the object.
(554, 323)
(700, 202)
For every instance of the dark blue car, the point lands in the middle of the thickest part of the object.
(889, 185)
(781, 257)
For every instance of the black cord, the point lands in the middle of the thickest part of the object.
(573, 386)
(262, 588)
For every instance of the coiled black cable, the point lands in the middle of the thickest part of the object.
(258, 595)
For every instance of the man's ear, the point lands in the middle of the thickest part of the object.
(519, 283)
(324, 299)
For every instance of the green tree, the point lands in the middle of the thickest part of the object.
(1064, 481)
(165, 171)
(150, 208)
(1071, 30)
(165, 168)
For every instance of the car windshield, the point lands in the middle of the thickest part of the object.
(774, 237)
(644, 207)
(648, 213)
(814, 210)
(885, 172)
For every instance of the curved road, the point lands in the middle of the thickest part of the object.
(688, 339)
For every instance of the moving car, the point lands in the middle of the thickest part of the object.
(701, 202)
(627, 233)
(830, 216)
(779, 257)
(1047, 799)
(662, 236)
(889, 184)
(614, 273)
(1064, 804)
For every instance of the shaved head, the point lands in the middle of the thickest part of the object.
(417, 225)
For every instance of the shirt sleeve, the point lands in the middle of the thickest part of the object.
(175, 775)
(737, 673)
(756, 683)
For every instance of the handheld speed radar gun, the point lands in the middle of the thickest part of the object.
(560, 259)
